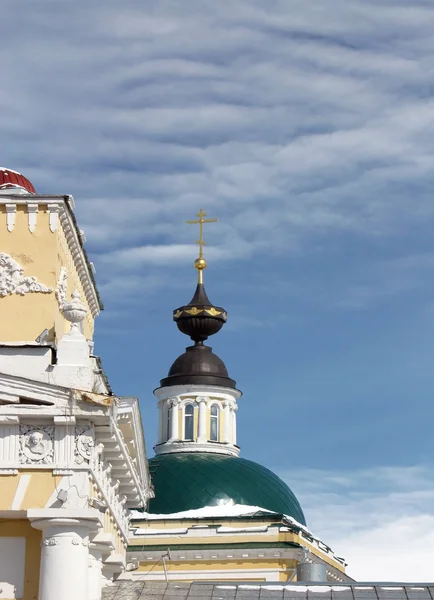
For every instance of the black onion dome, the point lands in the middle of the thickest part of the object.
(198, 365)
(199, 318)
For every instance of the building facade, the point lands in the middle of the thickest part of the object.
(72, 454)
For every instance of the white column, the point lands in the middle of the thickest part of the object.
(174, 429)
(227, 423)
(234, 424)
(202, 437)
(161, 422)
(95, 571)
(64, 557)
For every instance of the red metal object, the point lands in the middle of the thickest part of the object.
(12, 179)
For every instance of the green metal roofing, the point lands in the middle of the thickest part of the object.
(186, 481)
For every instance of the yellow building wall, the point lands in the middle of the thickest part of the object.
(284, 566)
(273, 536)
(42, 253)
(30, 314)
(39, 486)
(23, 528)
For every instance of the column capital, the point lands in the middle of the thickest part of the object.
(90, 519)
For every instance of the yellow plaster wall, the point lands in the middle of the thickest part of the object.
(286, 566)
(42, 254)
(23, 528)
(40, 487)
(274, 536)
(30, 314)
(8, 487)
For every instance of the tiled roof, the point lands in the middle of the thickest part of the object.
(149, 590)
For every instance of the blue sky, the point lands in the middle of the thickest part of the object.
(307, 128)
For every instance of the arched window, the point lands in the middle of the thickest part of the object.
(214, 423)
(188, 422)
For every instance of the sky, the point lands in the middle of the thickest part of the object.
(307, 128)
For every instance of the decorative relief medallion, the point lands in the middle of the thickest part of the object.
(13, 280)
(84, 444)
(61, 288)
(36, 444)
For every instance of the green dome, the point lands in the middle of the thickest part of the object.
(192, 480)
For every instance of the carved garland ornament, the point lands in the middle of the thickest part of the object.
(13, 280)
(61, 288)
(36, 444)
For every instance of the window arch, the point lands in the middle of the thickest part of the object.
(214, 423)
(188, 422)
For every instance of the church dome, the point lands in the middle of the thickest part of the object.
(12, 180)
(186, 481)
(198, 365)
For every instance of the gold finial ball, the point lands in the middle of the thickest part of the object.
(200, 264)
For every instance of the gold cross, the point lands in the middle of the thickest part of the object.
(201, 214)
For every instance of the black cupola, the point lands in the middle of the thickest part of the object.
(199, 319)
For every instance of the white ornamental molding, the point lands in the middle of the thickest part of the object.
(36, 444)
(74, 312)
(84, 444)
(32, 210)
(11, 211)
(62, 285)
(13, 280)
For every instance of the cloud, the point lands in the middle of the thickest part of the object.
(381, 520)
(292, 121)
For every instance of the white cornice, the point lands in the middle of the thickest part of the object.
(191, 447)
(129, 409)
(172, 391)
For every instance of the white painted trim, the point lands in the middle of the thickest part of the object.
(32, 210)
(20, 492)
(172, 391)
(53, 210)
(11, 211)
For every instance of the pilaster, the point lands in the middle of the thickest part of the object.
(9, 444)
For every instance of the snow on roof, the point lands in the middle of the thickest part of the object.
(10, 170)
(207, 512)
(228, 511)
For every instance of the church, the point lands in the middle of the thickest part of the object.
(82, 509)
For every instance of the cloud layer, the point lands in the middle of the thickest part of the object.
(381, 520)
